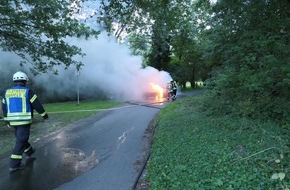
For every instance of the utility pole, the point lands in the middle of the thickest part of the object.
(78, 88)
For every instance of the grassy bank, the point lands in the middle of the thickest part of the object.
(60, 115)
(192, 150)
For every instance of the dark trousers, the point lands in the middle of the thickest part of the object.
(22, 145)
(174, 92)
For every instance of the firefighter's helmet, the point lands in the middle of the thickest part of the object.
(20, 76)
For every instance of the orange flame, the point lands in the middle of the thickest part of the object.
(158, 90)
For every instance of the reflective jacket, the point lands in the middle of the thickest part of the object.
(173, 86)
(18, 105)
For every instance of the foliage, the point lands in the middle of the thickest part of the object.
(241, 47)
(60, 116)
(166, 29)
(195, 150)
(118, 17)
(182, 72)
(248, 47)
(37, 31)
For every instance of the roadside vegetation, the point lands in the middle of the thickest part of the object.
(60, 116)
(234, 137)
(194, 149)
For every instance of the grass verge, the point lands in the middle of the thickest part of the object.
(60, 115)
(194, 150)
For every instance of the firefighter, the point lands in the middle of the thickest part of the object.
(172, 89)
(173, 86)
(18, 104)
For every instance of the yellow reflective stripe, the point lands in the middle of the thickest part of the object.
(24, 104)
(13, 123)
(14, 156)
(26, 150)
(43, 114)
(18, 116)
(33, 98)
(7, 105)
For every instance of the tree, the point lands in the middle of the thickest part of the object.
(141, 20)
(159, 56)
(184, 58)
(168, 26)
(37, 31)
(250, 54)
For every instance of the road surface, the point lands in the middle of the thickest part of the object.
(100, 152)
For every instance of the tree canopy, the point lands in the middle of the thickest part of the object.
(241, 48)
(37, 31)
(249, 50)
(168, 28)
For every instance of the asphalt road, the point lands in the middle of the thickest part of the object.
(98, 153)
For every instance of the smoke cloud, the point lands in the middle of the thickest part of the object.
(109, 68)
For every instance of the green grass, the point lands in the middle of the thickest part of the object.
(70, 111)
(193, 150)
(60, 115)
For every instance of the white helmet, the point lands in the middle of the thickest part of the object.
(20, 76)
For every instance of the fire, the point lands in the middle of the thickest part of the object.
(158, 90)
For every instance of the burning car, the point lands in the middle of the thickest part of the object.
(155, 92)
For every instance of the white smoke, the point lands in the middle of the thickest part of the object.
(108, 67)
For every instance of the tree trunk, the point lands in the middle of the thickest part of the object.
(288, 9)
(192, 81)
(183, 85)
(1, 112)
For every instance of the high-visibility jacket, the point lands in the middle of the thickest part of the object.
(169, 87)
(18, 105)
(174, 85)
